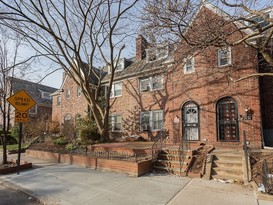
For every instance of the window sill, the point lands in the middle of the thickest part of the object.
(115, 96)
(186, 73)
(151, 90)
(223, 66)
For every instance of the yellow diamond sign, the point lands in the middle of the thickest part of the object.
(21, 101)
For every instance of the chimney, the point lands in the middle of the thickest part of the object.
(141, 45)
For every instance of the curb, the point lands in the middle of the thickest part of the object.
(259, 195)
(38, 198)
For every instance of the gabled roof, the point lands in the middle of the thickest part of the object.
(140, 68)
(33, 89)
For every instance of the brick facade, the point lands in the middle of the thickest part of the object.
(73, 106)
(206, 87)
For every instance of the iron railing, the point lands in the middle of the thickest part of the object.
(133, 157)
(246, 154)
(267, 177)
(183, 149)
(159, 144)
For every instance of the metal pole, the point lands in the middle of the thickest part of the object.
(246, 156)
(19, 146)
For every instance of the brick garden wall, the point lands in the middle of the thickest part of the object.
(135, 169)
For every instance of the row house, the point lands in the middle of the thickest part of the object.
(41, 94)
(190, 95)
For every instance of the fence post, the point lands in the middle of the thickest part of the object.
(246, 156)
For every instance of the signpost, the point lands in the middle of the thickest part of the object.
(22, 102)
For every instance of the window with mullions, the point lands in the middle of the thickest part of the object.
(189, 65)
(151, 120)
(151, 83)
(116, 90)
(115, 123)
(224, 56)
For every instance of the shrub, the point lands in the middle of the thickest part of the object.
(60, 141)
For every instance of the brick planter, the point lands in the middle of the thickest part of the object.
(13, 169)
(135, 169)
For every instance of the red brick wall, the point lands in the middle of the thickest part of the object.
(131, 168)
(72, 106)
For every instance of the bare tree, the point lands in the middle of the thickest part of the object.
(73, 32)
(10, 63)
(249, 20)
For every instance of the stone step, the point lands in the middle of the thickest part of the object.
(228, 172)
(232, 158)
(173, 157)
(174, 171)
(176, 152)
(227, 177)
(227, 164)
(170, 164)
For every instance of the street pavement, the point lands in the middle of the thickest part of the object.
(66, 184)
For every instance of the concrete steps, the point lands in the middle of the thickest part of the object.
(170, 161)
(227, 165)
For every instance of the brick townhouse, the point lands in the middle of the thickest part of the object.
(42, 96)
(193, 98)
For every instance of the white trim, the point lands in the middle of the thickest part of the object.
(192, 65)
(229, 57)
(112, 94)
(35, 108)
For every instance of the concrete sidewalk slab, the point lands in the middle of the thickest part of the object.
(199, 191)
(69, 184)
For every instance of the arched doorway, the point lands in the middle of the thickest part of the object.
(227, 120)
(190, 114)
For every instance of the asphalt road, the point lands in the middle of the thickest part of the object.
(12, 197)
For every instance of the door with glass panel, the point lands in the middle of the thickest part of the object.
(190, 113)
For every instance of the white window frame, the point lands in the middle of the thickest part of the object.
(149, 82)
(228, 56)
(151, 124)
(112, 94)
(48, 97)
(191, 59)
(67, 94)
(112, 122)
(58, 101)
(33, 110)
(79, 91)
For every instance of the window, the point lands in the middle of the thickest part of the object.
(260, 20)
(151, 83)
(33, 110)
(115, 123)
(46, 95)
(152, 120)
(189, 65)
(79, 91)
(58, 101)
(67, 94)
(116, 90)
(224, 56)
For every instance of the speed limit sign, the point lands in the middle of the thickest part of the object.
(21, 116)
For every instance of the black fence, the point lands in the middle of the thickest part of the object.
(132, 157)
(267, 177)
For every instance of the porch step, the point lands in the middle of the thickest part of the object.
(172, 171)
(171, 160)
(227, 165)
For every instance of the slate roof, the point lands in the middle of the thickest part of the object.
(33, 89)
(140, 68)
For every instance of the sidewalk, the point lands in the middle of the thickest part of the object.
(67, 184)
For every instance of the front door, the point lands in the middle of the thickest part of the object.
(190, 121)
(227, 120)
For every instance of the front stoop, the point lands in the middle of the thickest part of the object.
(227, 166)
(170, 161)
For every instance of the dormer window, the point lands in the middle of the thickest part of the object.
(260, 20)
(45, 95)
(151, 83)
(122, 63)
(157, 53)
